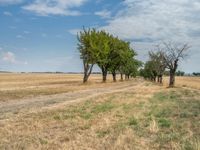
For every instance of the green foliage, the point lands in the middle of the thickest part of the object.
(164, 123)
(104, 107)
(85, 47)
(132, 121)
(108, 52)
(155, 67)
(196, 73)
(180, 73)
(149, 71)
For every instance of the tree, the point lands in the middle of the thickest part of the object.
(173, 54)
(116, 56)
(101, 50)
(196, 73)
(128, 64)
(108, 52)
(85, 50)
(94, 49)
(159, 63)
(149, 71)
(180, 73)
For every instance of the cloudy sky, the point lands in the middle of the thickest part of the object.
(40, 35)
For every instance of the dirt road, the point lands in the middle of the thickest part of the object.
(14, 107)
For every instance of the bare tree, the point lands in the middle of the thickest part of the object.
(173, 54)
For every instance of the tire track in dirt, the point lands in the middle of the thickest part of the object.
(58, 100)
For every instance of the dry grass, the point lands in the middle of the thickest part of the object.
(143, 116)
(18, 86)
(190, 82)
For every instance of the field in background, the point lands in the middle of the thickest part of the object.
(57, 111)
(190, 82)
(17, 86)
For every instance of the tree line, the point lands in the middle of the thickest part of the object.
(165, 57)
(196, 73)
(110, 53)
(114, 55)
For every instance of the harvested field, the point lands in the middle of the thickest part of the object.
(57, 111)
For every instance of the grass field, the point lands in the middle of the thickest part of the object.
(57, 111)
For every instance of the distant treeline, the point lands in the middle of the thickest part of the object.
(196, 73)
(49, 72)
(178, 73)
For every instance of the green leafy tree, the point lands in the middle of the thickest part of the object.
(108, 52)
(158, 60)
(180, 73)
(86, 52)
(149, 71)
(101, 51)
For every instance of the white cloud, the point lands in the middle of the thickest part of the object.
(7, 13)
(26, 32)
(20, 36)
(155, 20)
(149, 22)
(103, 14)
(55, 7)
(9, 2)
(9, 57)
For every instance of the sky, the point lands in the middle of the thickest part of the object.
(41, 35)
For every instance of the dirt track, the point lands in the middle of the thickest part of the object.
(48, 102)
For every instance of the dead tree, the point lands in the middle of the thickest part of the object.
(173, 54)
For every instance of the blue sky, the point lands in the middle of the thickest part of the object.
(40, 35)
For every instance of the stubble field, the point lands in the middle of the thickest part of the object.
(57, 111)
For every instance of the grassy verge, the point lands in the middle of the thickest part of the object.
(169, 119)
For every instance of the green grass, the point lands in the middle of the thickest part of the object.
(164, 123)
(177, 116)
(168, 120)
(86, 111)
(102, 133)
(132, 121)
(103, 107)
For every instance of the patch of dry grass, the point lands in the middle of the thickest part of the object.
(146, 116)
(98, 123)
(18, 86)
(189, 82)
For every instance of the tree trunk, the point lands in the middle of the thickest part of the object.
(85, 78)
(126, 77)
(104, 74)
(161, 79)
(172, 74)
(114, 76)
(87, 71)
(121, 77)
(172, 79)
